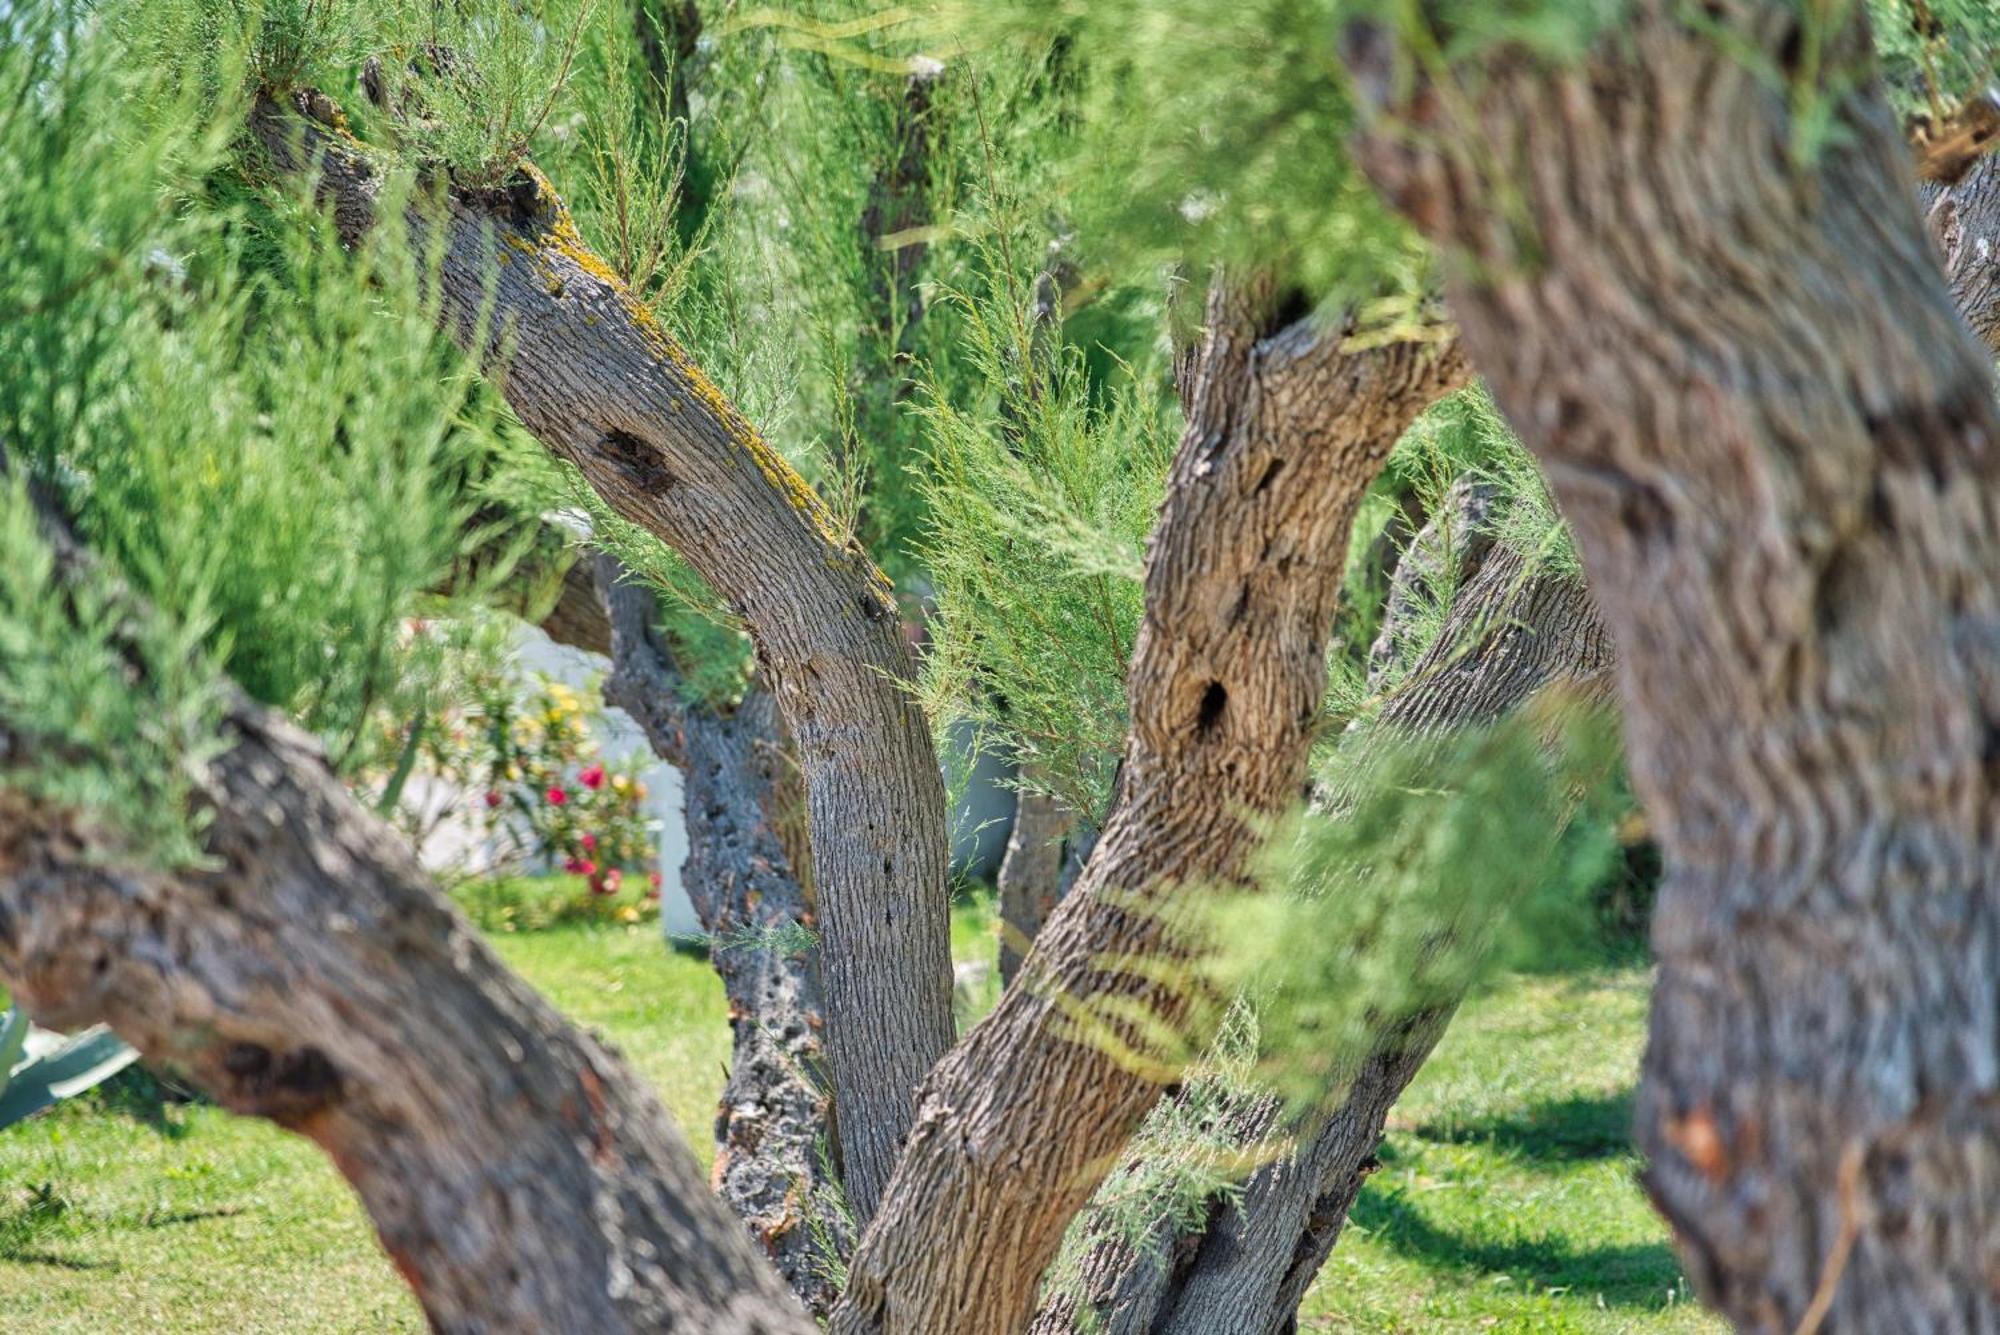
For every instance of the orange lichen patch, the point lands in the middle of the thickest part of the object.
(1699, 1140)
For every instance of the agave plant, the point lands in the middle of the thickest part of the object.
(39, 1067)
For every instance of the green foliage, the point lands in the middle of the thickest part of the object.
(1040, 496)
(261, 439)
(1447, 858)
(1935, 53)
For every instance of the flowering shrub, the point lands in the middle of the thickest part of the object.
(551, 793)
(530, 764)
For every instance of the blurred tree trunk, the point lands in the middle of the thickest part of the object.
(590, 372)
(1018, 1125)
(1719, 323)
(773, 1130)
(1031, 873)
(519, 1176)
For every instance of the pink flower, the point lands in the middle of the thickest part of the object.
(612, 880)
(654, 877)
(492, 797)
(557, 797)
(578, 867)
(592, 778)
(597, 886)
(589, 842)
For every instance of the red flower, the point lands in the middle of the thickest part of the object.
(597, 886)
(579, 867)
(589, 842)
(654, 877)
(557, 797)
(592, 778)
(492, 797)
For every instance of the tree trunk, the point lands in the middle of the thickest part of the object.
(1964, 222)
(519, 1176)
(593, 375)
(1030, 879)
(1511, 633)
(772, 1161)
(1731, 344)
(1019, 1123)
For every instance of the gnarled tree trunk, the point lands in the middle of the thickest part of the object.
(519, 1176)
(1019, 1123)
(597, 380)
(1730, 343)
(774, 1126)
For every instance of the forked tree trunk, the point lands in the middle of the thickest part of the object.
(773, 1130)
(598, 381)
(1729, 341)
(519, 1176)
(1511, 633)
(1021, 1121)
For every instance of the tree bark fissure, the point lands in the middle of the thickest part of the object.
(1020, 1122)
(772, 1160)
(592, 375)
(1742, 370)
(520, 1177)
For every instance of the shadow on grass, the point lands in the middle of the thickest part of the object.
(144, 1097)
(1637, 1275)
(1569, 1130)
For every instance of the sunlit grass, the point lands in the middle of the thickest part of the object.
(1506, 1199)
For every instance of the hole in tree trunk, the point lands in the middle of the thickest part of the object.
(1213, 701)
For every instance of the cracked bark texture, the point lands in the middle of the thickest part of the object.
(593, 376)
(1513, 630)
(771, 1128)
(519, 1176)
(1020, 1122)
(1964, 222)
(1778, 447)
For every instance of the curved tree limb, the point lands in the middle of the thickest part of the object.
(520, 1177)
(593, 375)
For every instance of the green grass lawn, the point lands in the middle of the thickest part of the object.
(1505, 1200)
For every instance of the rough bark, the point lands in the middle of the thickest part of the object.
(1776, 441)
(774, 1121)
(518, 1174)
(1020, 1122)
(1512, 631)
(1964, 223)
(590, 372)
(1031, 874)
